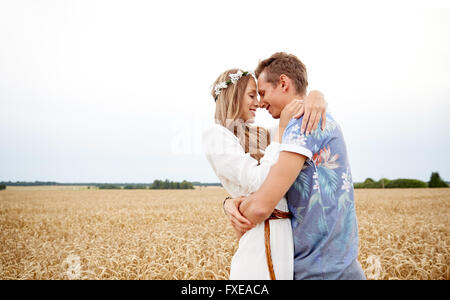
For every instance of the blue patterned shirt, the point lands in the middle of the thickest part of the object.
(324, 224)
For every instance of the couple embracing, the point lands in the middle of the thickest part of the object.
(291, 189)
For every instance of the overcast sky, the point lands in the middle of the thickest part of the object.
(119, 91)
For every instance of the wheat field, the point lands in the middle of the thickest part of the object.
(76, 233)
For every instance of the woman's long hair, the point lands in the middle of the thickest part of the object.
(254, 139)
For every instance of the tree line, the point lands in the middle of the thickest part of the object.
(156, 185)
(198, 183)
(33, 183)
(434, 182)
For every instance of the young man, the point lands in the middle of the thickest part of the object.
(314, 170)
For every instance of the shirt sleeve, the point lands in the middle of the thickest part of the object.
(229, 160)
(294, 141)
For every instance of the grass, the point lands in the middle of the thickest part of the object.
(59, 233)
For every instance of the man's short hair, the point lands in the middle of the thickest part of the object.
(287, 64)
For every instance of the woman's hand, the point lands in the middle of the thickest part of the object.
(240, 224)
(314, 107)
(291, 110)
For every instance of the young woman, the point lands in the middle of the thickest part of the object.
(241, 156)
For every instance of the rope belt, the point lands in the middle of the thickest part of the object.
(276, 214)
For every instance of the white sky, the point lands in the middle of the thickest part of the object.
(119, 91)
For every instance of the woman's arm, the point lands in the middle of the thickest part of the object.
(314, 108)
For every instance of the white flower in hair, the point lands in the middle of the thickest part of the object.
(236, 76)
(218, 88)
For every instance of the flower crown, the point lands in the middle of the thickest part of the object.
(234, 78)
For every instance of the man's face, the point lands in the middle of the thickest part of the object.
(271, 97)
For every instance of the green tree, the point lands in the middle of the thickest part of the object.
(109, 187)
(159, 184)
(186, 185)
(369, 180)
(436, 181)
(405, 183)
(2, 187)
(156, 185)
(369, 183)
(383, 182)
(166, 184)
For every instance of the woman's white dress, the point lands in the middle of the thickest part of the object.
(241, 175)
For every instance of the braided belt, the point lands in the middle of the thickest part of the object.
(276, 214)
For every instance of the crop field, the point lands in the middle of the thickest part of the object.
(80, 233)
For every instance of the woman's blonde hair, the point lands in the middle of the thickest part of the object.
(254, 139)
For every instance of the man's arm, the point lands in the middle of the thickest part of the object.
(258, 206)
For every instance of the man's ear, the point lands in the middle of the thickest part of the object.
(284, 81)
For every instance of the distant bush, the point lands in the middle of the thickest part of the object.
(198, 183)
(135, 186)
(2, 187)
(406, 183)
(358, 185)
(156, 185)
(109, 187)
(369, 183)
(27, 183)
(436, 181)
(383, 182)
(171, 185)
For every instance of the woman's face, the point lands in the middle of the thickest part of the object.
(250, 102)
